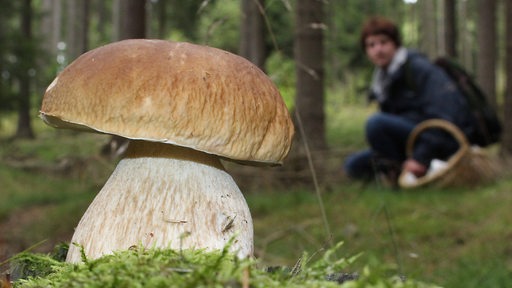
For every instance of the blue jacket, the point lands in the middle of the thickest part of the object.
(420, 90)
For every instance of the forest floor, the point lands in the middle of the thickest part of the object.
(458, 237)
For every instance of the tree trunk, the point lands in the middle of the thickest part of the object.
(130, 23)
(252, 40)
(506, 145)
(450, 24)
(163, 23)
(103, 19)
(428, 43)
(24, 128)
(50, 26)
(77, 36)
(467, 40)
(132, 19)
(116, 20)
(486, 39)
(308, 47)
(308, 50)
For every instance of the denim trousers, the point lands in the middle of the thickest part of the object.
(386, 134)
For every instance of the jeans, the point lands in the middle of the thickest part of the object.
(386, 135)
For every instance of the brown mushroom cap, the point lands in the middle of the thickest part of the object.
(188, 95)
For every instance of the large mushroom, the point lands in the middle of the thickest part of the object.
(184, 107)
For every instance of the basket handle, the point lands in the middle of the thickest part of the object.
(442, 124)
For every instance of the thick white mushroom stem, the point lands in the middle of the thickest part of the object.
(165, 196)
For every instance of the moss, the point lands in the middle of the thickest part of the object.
(195, 268)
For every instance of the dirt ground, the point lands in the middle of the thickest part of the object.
(12, 232)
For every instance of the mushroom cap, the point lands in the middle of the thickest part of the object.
(178, 93)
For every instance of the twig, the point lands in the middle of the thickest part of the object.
(246, 274)
(313, 175)
(26, 250)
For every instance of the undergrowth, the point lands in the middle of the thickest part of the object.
(141, 267)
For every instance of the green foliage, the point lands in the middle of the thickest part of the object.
(167, 21)
(342, 132)
(21, 55)
(140, 267)
(32, 265)
(279, 24)
(439, 236)
(219, 25)
(6, 56)
(282, 72)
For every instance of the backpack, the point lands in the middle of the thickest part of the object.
(487, 125)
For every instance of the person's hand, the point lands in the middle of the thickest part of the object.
(414, 167)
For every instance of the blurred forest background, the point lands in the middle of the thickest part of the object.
(311, 50)
(307, 47)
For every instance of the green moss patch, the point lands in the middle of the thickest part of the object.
(194, 268)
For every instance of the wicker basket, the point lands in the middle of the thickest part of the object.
(469, 166)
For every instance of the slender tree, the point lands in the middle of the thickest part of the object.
(308, 50)
(77, 29)
(486, 39)
(506, 147)
(450, 28)
(467, 40)
(50, 25)
(252, 36)
(101, 9)
(163, 17)
(131, 24)
(7, 14)
(132, 19)
(26, 56)
(428, 43)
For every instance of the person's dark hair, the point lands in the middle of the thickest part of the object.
(377, 26)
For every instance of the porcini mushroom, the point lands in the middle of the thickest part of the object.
(183, 107)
